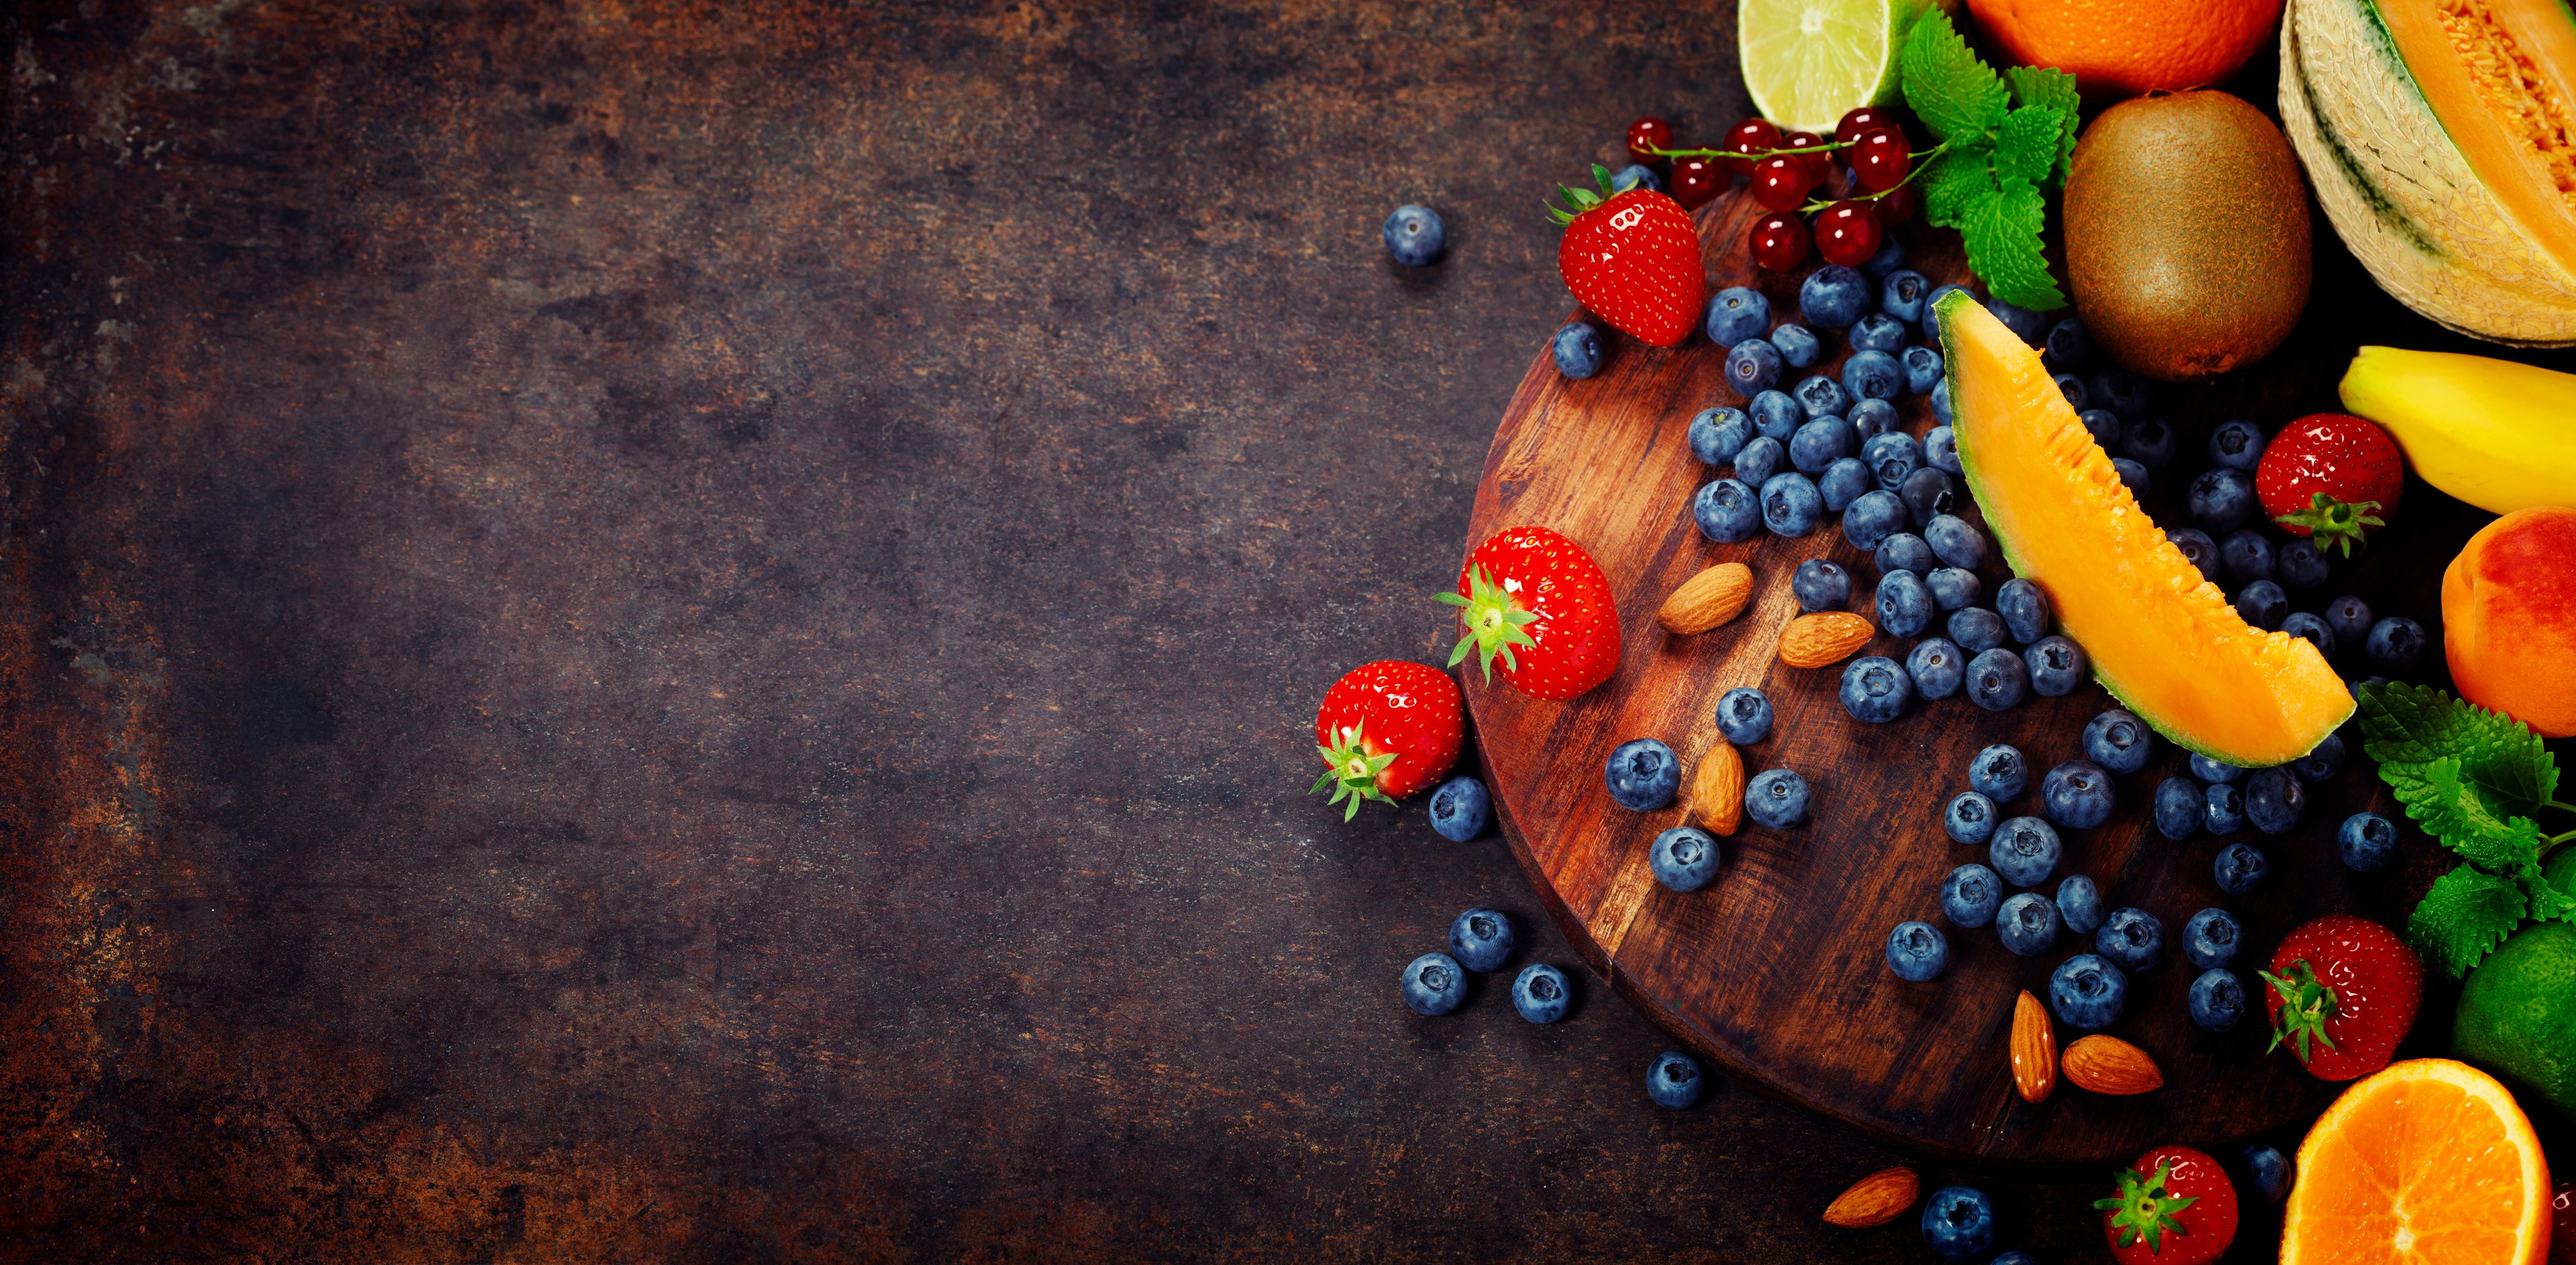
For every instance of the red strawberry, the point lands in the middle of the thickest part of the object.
(2342, 992)
(1633, 260)
(2330, 475)
(1387, 729)
(2175, 1206)
(1532, 589)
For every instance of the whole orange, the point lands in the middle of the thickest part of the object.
(2120, 48)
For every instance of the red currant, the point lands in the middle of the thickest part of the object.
(1697, 181)
(1846, 233)
(1647, 135)
(1752, 136)
(1821, 164)
(1781, 183)
(1861, 119)
(1779, 242)
(1880, 158)
(1895, 207)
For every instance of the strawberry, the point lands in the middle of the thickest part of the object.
(2342, 993)
(1541, 604)
(1633, 260)
(1387, 729)
(2331, 476)
(2174, 1206)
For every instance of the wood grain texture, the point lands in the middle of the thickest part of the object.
(1776, 970)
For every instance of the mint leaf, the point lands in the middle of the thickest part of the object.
(2465, 914)
(2041, 87)
(1946, 86)
(2545, 900)
(2002, 235)
(1956, 181)
(2449, 810)
(2408, 726)
(2026, 146)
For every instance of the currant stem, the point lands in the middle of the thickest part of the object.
(1818, 205)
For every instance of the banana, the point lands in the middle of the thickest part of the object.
(2497, 434)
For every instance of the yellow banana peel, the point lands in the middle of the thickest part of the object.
(2497, 434)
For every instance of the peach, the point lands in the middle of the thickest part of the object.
(2509, 618)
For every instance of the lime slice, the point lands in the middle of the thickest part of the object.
(1808, 62)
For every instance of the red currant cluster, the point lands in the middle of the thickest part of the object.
(1866, 194)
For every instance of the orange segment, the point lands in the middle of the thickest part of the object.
(2428, 1162)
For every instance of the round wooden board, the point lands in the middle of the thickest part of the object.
(1775, 970)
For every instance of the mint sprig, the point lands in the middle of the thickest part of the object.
(2004, 141)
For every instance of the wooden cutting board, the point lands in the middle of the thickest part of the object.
(1775, 970)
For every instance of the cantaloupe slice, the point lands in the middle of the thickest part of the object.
(2162, 638)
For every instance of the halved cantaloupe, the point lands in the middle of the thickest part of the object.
(2162, 638)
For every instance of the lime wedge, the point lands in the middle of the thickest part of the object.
(1808, 62)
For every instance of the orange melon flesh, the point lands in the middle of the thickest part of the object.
(2161, 638)
(2501, 77)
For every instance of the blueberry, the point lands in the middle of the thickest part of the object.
(1927, 495)
(1904, 604)
(1970, 896)
(2273, 800)
(1820, 585)
(1916, 951)
(1577, 349)
(1970, 818)
(2322, 761)
(1642, 775)
(1744, 715)
(1460, 809)
(1875, 689)
(1434, 984)
(2314, 628)
(1819, 444)
(1683, 858)
(2263, 604)
(2079, 904)
(2267, 1171)
(2217, 1000)
(2146, 440)
(2057, 666)
(2245, 556)
(1540, 993)
(1997, 680)
(1901, 295)
(2132, 939)
(1675, 1080)
(1842, 483)
(2087, 992)
(2015, 1258)
(2077, 795)
(1798, 345)
(2068, 349)
(1776, 798)
(1753, 367)
(1922, 369)
(1932, 319)
(2222, 808)
(2118, 741)
(2298, 565)
(2132, 476)
(2212, 938)
(2209, 770)
(2024, 608)
(1791, 505)
(1938, 668)
(1873, 375)
(1737, 313)
(1959, 1222)
(1727, 511)
(2350, 619)
(2178, 808)
(2394, 644)
(1999, 773)
(2103, 425)
(2367, 841)
(1482, 939)
(1760, 459)
(1892, 458)
(1877, 331)
(1976, 629)
(1775, 415)
(1414, 235)
(1872, 418)
(1955, 541)
(2197, 549)
(1889, 257)
(1821, 396)
(1832, 297)
(2221, 499)
(2237, 445)
(2240, 868)
(1869, 520)
(1635, 176)
(2028, 924)
(2025, 851)
(1941, 444)
(1904, 551)
(2118, 390)
(1717, 434)
(1952, 588)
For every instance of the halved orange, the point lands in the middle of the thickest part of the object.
(2427, 1162)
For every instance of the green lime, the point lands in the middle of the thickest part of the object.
(1808, 62)
(2517, 1013)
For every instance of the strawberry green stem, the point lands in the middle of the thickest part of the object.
(2306, 1004)
(2335, 524)
(1354, 771)
(2141, 1212)
(1495, 622)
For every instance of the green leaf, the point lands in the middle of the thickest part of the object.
(2026, 146)
(2044, 88)
(2002, 236)
(2406, 727)
(2545, 900)
(1954, 93)
(1957, 180)
(2445, 806)
(2465, 914)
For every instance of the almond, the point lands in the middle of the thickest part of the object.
(1708, 599)
(1717, 790)
(1877, 1199)
(2034, 1049)
(2109, 1065)
(1812, 641)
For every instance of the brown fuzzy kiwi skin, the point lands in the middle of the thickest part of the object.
(2187, 237)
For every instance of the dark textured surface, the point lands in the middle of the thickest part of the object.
(632, 632)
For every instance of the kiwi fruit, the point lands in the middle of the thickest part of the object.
(2187, 243)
